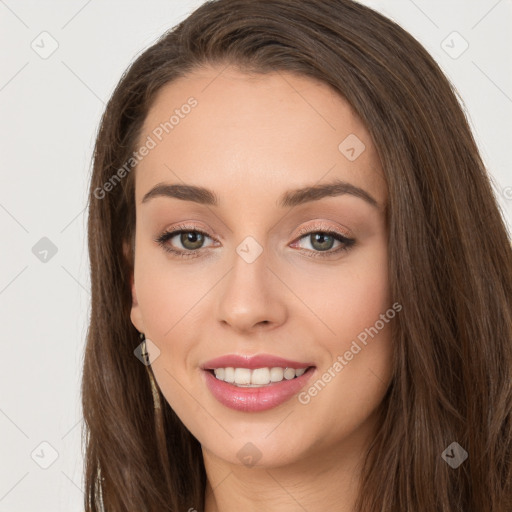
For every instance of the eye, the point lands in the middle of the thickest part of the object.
(322, 242)
(191, 240)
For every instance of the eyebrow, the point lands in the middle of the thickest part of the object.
(290, 198)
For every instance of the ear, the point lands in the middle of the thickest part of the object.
(135, 314)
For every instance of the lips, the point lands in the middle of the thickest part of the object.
(255, 399)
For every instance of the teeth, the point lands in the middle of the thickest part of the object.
(242, 376)
(245, 377)
(289, 373)
(259, 376)
(276, 374)
(229, 374)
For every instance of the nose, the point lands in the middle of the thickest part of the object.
(251, 296)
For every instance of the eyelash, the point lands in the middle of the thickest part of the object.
(347, 243)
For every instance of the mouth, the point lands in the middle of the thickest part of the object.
(257, 383)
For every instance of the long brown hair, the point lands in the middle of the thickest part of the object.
(450, 267)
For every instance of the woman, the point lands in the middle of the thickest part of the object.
(301, 281)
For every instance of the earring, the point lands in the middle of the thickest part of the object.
(143, 349)
(145, 355)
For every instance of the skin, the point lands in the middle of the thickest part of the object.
(250, 139)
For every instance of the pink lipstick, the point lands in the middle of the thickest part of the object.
(288, 378)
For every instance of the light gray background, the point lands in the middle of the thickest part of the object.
(49, 113)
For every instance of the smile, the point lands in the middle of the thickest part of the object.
(255, 383)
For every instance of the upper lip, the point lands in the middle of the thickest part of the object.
(252, 362)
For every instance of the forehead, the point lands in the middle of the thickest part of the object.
(228, 130)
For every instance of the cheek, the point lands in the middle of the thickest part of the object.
(172, 298)
(348, 299)
(357, 369)
(167, 294)
(356, 312)
(363, 297)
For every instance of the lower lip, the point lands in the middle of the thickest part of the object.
(255, 399)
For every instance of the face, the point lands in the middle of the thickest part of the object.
(251, 268)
